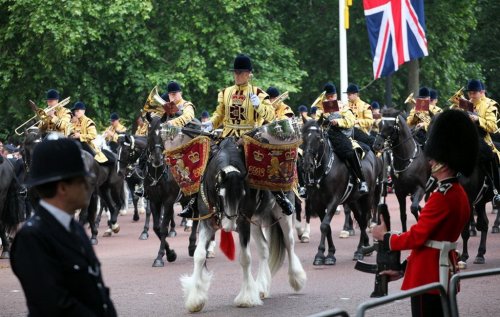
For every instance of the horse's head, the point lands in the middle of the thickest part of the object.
(388, 133)
(32, 137)
(225, 181)
(312, 146)
(155, 143)
(130, 148)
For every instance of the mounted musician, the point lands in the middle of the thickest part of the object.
(243, 107)
(184, 110)
(303, 113)
(340, 134)
(484, 112)
(142, 127)
(84, 130)
(56, 119)
(421, 114)
(113, 131)
(282, 110)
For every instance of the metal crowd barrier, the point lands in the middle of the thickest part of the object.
(363, 307)
(331, 313)
(462, 276)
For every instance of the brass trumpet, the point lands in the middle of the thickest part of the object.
(284, 96)
(410, 100)
(455, 99)
(41, 114)
(154, 103)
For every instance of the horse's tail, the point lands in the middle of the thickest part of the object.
(13, 209)
(277, 249)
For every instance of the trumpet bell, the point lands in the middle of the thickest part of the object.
(455, 99)
(410, 100)
(154, 103)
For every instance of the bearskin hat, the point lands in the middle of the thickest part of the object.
(242, 62)
(453, 140)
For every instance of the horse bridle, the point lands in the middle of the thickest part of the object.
(390, 147)
(317, 160)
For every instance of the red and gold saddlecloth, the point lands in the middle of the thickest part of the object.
(271, 166)
(188, 162)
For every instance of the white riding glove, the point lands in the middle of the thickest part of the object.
(254, 99)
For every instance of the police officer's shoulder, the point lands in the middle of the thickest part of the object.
(31, 225)
(444, 188)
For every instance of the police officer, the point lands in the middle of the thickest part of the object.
(485, 118)
(452, 148)
(112, 132)
(282, 110)
(340, 134)
(51, 254)
(186, 108)
(84, 130)
(241, 108)
(58, 119)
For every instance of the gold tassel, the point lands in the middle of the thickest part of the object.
(346, 17)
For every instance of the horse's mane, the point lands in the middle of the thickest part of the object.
(391, 112)
(229, 154)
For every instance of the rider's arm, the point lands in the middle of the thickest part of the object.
(347, 120)
(185, 118)
(365, 121)
(218, 115)
(412, 119)
(90, 132)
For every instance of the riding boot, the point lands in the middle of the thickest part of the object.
(187, 212)
(286, 205)
(355, 165)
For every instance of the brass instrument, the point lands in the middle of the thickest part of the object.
(284, 96)
(41, 114)
(410, 100)
(455, 99)
(154, 103)
(319, 99)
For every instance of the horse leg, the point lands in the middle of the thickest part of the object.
(465, 250)
(113, 226)
(5, 243)
(145, 235)
(482, 226)
(472, 227)
(415, 202)
(195, 287)
(172, 233)
(296, 275)
(496, 224)
(157, 228)
(298, 218)
(319, 258)
(249, 292)
(325, 226)
(193, 234)
(135, 201)
(263, 279)
(348, 229)
(362, 215)
(402, 209)
(91, 216)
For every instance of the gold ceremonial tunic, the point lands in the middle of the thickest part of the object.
(60, 123)
(187, 109)
(236, 112)
(113, 132)
(86, 127)
(486, 109)
(142, 130)
(413, 119)
(363, 114)
(376, 121)
(282, 111)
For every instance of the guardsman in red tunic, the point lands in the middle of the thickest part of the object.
(452, 148)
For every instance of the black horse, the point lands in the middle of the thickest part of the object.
(329, 185)
(479, 191)
(162, 192)
(107, 185)
(410, 169)
(226, 202)
(130, 150)
(11, 206)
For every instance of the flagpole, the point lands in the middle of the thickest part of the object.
(343, 51)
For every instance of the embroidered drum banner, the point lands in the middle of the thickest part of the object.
(271, 166)
(188, 162)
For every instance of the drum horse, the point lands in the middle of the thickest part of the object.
(228, 201)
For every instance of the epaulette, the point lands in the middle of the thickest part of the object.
(443, 188)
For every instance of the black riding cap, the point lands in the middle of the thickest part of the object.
(55, 160)
(453, 140)
(242, 62)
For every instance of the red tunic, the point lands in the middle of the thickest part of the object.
(442, 219)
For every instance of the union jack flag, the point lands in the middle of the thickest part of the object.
(396, 29)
